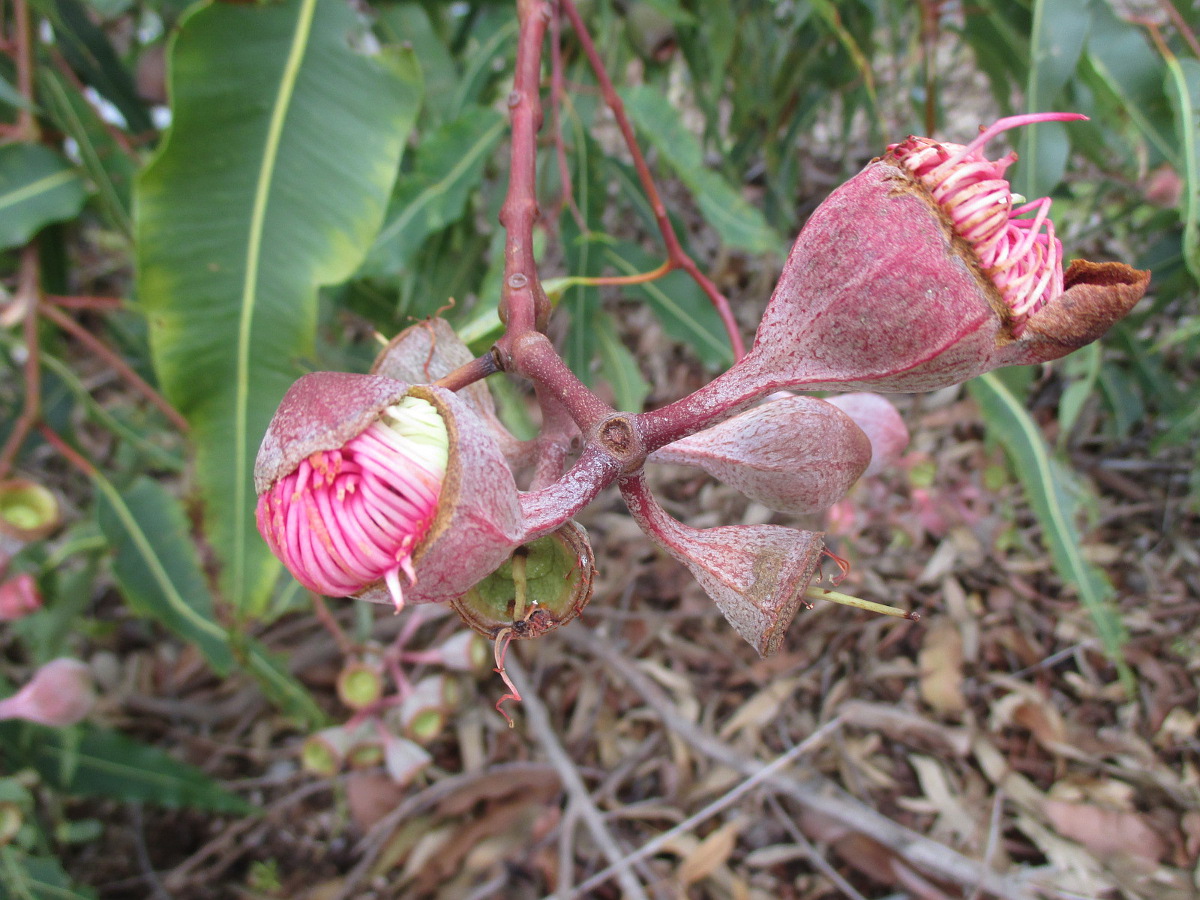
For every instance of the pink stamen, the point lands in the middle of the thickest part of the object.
(1024, 262)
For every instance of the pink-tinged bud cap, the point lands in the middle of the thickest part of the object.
(404, 759)
(920, 273)
(60, 693)
(756, 574)
(880, 422)
(793, 454)
(19, 596)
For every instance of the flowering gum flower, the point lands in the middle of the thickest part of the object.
(371, 488)
(793, 454)
(60, 693)
(920, 273)
(352, 515)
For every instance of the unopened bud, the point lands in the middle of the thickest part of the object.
(404, 759)
(880, 422)
(60, 693)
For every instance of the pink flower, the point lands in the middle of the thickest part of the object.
(920, 272)
(390, 493)
(60, 693)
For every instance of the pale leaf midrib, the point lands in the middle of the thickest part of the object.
(258, 214)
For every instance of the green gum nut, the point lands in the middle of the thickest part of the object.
(324, 752)
(28, 511)
(359, 684)
(544, 584)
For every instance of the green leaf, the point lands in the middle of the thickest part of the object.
(680, 305)
(272, 182)
(409, 24)
(1059, 32)
(618, 367)
(283, 690)
(449, 166)
(89, 53)
(37, 187)
(1055, 501)
(37, 878)
(156, 566)
(738, 223)
(108, 166)
(104, 763)
(1183, 89)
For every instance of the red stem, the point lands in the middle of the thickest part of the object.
(675, 253)
(28, 288)
(122, 368)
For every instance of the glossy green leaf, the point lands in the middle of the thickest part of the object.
(1056, 502)
(449, 166)
(408, 24)
(1183, 88)
(104, 763)
(1059, 32)
(272, 182)
(738, 223)
(37, 186)
(156, 566)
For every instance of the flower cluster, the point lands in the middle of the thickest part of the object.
(920, 272)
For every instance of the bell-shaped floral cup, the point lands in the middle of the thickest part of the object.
(756, 574)
(924, 271)
(793, 454)
(374, 489)
(19, 596)
(60, 693)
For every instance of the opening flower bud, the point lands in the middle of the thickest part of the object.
(922, 271)
(792, 454)
(370, 488)
(543, 585)
(60, 693)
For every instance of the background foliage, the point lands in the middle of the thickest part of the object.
(259, 189)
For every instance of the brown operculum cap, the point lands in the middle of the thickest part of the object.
(756, 574)
(478, 520)
(1095, 297)
(793, 454)
(429, 350)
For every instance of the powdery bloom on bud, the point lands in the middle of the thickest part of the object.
(880, 422)
(60, 693)
(792, 454)
(354, 515)
(19, 596)
(919, 272)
